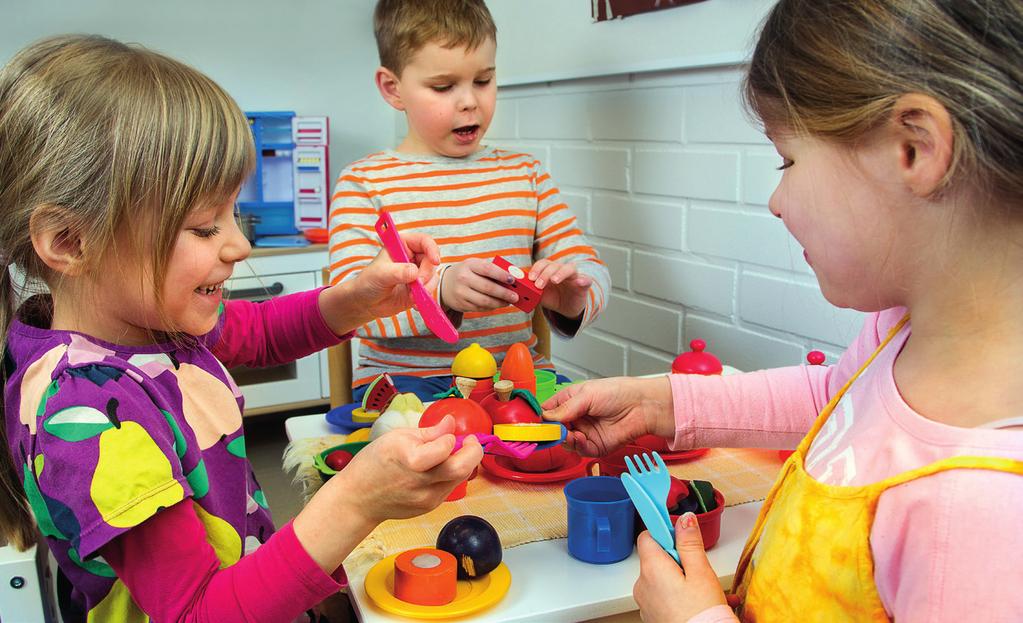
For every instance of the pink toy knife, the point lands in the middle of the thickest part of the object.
(434, 317)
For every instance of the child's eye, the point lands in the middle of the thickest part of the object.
(206, 232)
(785, 163)
(482, 83)
(441, 88)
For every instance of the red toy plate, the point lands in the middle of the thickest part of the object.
(501, 467)
(685, 455)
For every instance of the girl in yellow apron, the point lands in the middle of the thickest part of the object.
(900, 128)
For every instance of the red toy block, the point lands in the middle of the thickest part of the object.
(529, 294)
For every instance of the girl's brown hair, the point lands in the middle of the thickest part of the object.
(403, 27)
(834, 69)
(98, 137)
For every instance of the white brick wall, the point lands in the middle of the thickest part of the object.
(671, 180)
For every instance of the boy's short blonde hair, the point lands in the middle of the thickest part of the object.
(403, 27)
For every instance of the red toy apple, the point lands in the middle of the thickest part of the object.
(469, 416)
(337, 459)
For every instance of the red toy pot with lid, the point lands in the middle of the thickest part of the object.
(696, 361)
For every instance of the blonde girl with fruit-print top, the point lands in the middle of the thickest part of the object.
(900, 129)
(124, 442)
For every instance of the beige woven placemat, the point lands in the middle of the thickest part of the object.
(524, 512)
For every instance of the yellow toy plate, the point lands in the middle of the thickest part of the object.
(361, 415)
(528, 432)
(472, 595)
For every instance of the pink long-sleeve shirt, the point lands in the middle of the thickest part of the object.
(946, 547)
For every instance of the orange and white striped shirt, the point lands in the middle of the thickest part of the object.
(492, 203)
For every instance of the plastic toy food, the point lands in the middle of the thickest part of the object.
(403, 412)
(696, 361)
(474, 543)
(338, 459)
(379, 394)
(517, 367)
(529, 294)
(474, 362)
(469, 416)
(508, 405)
(425, 576)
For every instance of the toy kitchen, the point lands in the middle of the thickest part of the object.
(284, 203)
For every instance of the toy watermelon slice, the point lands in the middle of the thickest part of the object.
(379, 394)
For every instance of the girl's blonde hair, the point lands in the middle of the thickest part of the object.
(834, 69)
(98, 137)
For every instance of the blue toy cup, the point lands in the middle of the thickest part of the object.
(600, 520)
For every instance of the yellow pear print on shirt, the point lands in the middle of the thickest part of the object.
(133, 478)
(209, 406)
(219, 534)
(117, 606)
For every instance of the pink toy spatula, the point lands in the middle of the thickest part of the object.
(492, 444)
(434, 317)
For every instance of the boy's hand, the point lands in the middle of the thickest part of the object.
(381, 289)
(475, 285)
(407, 472)
(564, 288)
(664, 592)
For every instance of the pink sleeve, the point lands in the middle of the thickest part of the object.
(173, 574)
(279, 330)
(764, 409)
(947, 547)
(768, 408)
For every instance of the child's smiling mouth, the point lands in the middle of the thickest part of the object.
(210, 289)
(467, 133)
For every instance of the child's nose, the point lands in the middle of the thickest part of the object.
(237, 247)
(467, 101)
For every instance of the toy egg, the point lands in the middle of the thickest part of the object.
(696, 361)
(474, 362)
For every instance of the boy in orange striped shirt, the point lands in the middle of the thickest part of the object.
(478, 202)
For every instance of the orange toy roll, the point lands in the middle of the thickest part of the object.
(425, 576)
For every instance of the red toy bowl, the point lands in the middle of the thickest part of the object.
(614, 464)
(710, 522)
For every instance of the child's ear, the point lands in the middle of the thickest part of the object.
(924, 134)
(389, 86)
(56, 245)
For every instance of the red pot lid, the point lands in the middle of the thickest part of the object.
(696, 361)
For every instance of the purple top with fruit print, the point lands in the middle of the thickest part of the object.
(104, 436)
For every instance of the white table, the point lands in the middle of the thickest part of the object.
(547, 584)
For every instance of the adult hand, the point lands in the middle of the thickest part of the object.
(564, 288)
(475, 285)
(605, 414)
(665, 592)
(408, 471)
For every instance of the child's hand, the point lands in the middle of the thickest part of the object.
(408, 471)
(475, 285)
(663, 591)
(564, 288)
(606, 414)
(381, 289)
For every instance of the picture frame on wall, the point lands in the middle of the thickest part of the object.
(604, 10)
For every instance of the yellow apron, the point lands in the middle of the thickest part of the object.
(812, 541)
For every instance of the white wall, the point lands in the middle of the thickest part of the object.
(671, 181)
(315, 57)
(544, 40)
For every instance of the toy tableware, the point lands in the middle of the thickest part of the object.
(472, 595)
(653, 476)
(341, 416)
(569, 467)
(600, 520)
(492, 444)
(320, 458)
(425, 576)
(529, 294)
(696, 361)
(546, 460)
(434, 317)
(659, 525)
(659, 444)
(710, 522)
(613, 464)
(546, 383)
